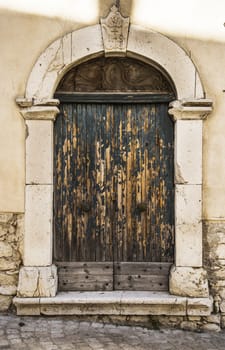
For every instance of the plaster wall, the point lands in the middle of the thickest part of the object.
(24, 37)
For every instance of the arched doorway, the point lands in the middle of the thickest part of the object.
(188, 278)
(114, 177)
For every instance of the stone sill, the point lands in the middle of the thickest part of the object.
(114, 303)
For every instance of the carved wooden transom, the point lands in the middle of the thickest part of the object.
(114, 75)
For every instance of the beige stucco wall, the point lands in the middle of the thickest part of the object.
(24, 36)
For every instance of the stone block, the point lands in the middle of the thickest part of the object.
(194, 318)
(8, 290)
(189, 245)
(210, 327)
(5, 250)
(214, 318)
(71, 48)
(39, 157)
(222, 306)
(48, 281)
(5, 218)
(8, 264)
(223, 321)
(188, 204)
(188, 152)
(8, 278)
(37, 281)
(189, 326)
(188, 281)
(81, 309)
(39, 81)
(220, 252)
(198, 87)
(150, 303)
(38, 226)
(5, 302)
(199, 306)
(27, 306)
(67, 48)
(86, 41)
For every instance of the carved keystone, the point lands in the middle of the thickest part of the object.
(115, 32)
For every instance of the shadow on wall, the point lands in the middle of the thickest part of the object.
(197, 20)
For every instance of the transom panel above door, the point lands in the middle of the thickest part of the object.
(113, 192)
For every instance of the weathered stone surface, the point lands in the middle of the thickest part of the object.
(189, 245)
(11, 241)
(108, 333)
(8, 290)
(214, 258)
(38, 226)
(39, 150)
(5, 302)
(8, 264)
(40, 113)
(5, 218)
(5, 250)
(114, 32)
(160, 50)
(223, 321)
(213, 318)
(38, 281)
(189, 326)
(188, 153)
(222, 306)
(211, 327)
(190, 109)
(194, 318)
(188, 208)
(199, 306)
(188, 281)
(8, 279)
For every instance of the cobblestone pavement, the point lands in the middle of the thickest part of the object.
(41, 333)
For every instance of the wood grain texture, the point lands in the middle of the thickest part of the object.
(85, 276)
(92, 276)
(113, 188)
(115, 74)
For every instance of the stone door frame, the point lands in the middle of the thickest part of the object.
(38, 276)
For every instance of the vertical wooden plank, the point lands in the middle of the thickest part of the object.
(74, 169)
(120, 152)
(108, 199)
(129, 199)
(57, 212)
(167, 211)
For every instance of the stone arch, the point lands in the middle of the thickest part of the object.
(85, 43)
(39, 109)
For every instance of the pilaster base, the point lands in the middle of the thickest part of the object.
(37, 281)
(188, 282)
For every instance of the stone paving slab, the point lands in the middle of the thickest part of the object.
(65, 333)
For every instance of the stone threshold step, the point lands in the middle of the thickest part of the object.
(114, 303)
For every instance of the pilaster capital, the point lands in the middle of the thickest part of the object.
(190, 109)
(39, 112)
(31, 109)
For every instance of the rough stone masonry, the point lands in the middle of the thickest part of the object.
(11, 237)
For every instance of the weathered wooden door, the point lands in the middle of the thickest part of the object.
(113, 196)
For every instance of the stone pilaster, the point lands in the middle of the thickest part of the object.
(38, 277)
(187, 277)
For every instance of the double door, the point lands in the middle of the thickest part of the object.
(113, 196)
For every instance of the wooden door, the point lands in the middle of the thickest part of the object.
(113, 196)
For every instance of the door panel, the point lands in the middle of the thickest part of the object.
(113, 195)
